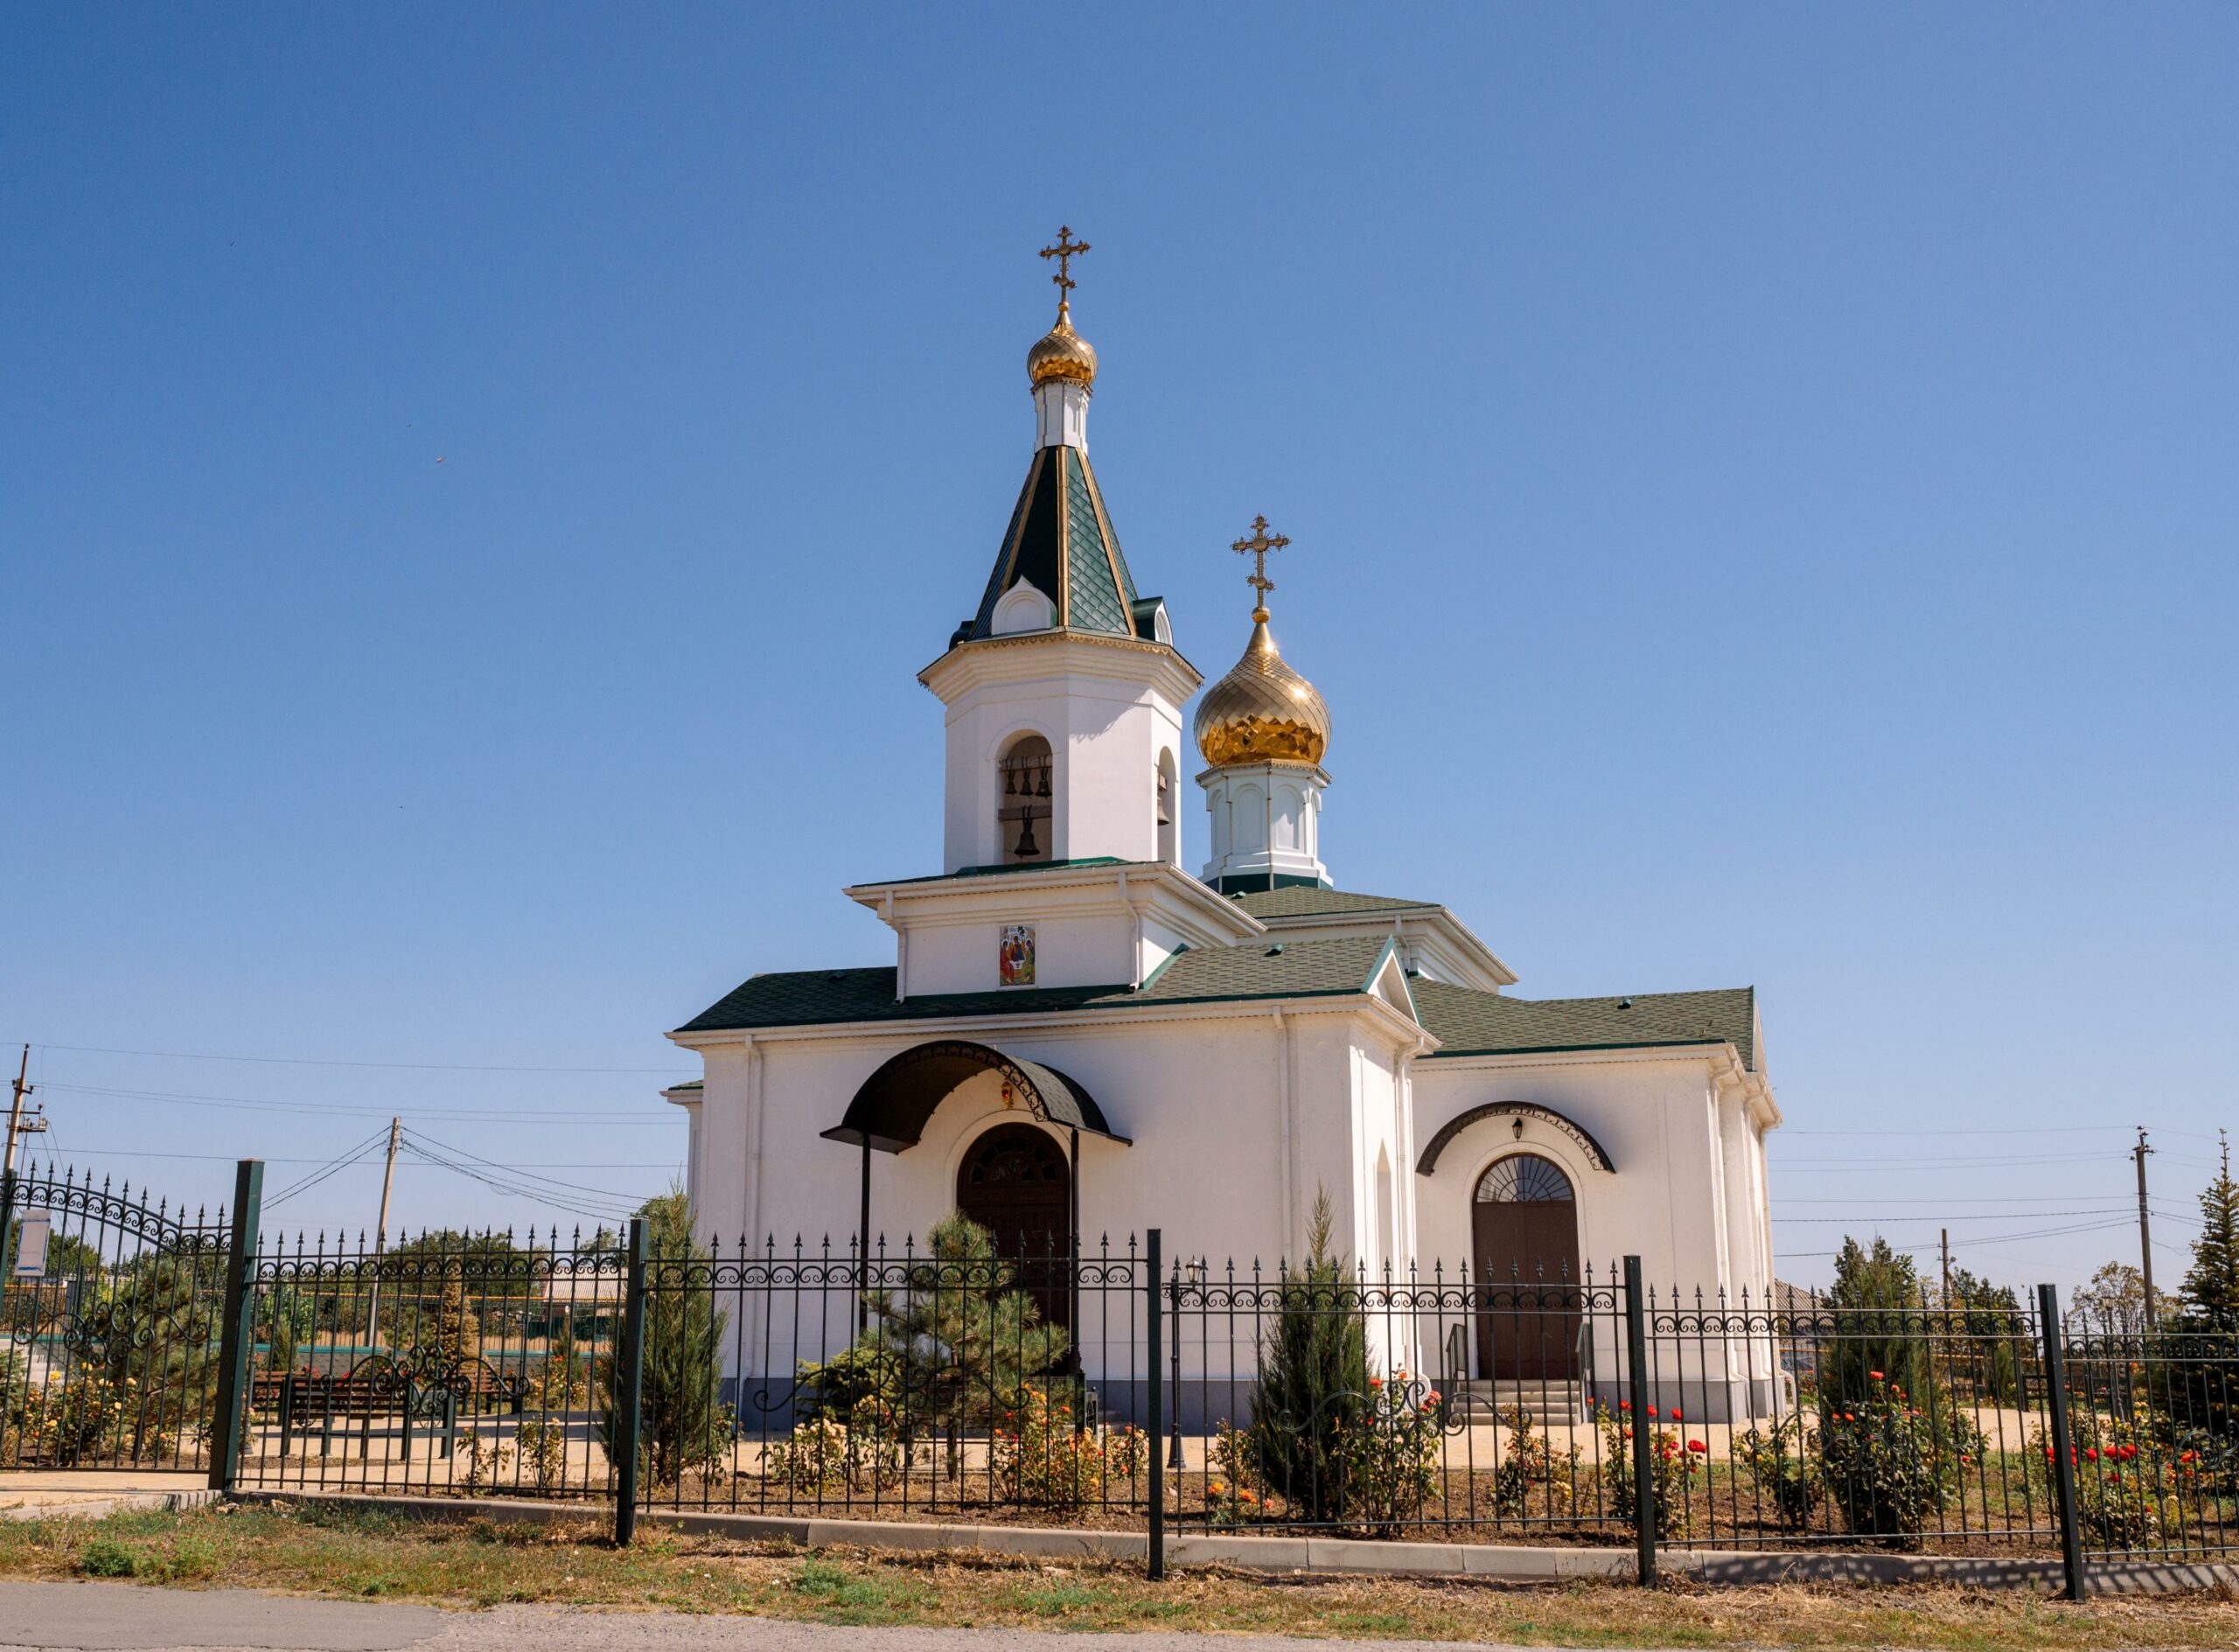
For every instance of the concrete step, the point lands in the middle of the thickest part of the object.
(1485, 1402)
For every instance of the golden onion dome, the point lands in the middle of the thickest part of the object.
(1062, 353)
(1262, 711)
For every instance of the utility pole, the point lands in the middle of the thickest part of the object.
(1943, 1243)
(2145, 1227)
(16, 1110)
(381, 1239)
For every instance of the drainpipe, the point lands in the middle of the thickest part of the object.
(1136, 947)
(1283, 1119)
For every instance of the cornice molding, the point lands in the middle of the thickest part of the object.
(1012, 659)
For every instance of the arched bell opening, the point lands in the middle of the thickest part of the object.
(1022, 800)
(1524, 1239)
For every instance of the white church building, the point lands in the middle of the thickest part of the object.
(1081, 1032)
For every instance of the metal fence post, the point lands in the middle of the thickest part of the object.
(1154, 1421)
(237, 1330)
(1643, 1440)
(629, 1389)
(2048, 1315)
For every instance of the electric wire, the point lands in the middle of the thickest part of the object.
(251, 1104)
(333, 1167)
(307, 1061)
(417, 1138)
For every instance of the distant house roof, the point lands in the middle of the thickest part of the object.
(1473, 1024)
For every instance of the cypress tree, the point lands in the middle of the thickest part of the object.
(1313, 1381)
(2212, 1285)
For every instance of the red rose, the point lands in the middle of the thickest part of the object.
(1876, 1376)
(1697, 1445)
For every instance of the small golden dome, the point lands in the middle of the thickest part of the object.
(1062, 353)
(1262, 711)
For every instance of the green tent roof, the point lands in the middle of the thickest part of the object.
(1060, 540)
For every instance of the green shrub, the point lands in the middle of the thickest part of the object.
(1672, 1467)
(1531, 1473)
(1041, 1458)
(106, 1557)
(1779, 1456)
(1889, 1465)
(1391, 1445)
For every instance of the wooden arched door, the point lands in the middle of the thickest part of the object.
(1015, 1182)
(1524, 1228)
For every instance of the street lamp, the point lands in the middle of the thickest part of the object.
(1196, 1272)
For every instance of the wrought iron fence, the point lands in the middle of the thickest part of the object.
(988, 1375)
(997, 1377)
(475, 1363)
(109, 1325)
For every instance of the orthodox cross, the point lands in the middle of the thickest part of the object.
(1064, 252)
(1257, 547)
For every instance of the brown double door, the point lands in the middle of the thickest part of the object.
(1524, 1228)
(1015, 1182)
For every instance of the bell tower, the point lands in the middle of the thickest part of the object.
(1063, 691)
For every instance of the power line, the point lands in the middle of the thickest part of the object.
(1981, 1239)
(1941, 1204)
(1993, 1216)
(596, 1210)
(393, 1066)
(340, 1162)
(1986, 1130)
(258, 1104)
(418, 1139)
(235, 1158)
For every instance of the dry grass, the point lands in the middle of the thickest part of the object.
(311, 1550)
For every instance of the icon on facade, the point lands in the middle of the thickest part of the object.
(1014, 956)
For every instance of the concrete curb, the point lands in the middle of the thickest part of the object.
(82, 1507)
(1518, 1563)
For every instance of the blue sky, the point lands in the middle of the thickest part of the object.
(475, 488)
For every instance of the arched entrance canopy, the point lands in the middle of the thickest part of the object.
(890, 1111)
(1454, 1127)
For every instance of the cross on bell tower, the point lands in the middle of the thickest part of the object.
(1065, 251)
(1255, 547)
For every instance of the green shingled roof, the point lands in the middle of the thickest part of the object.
(1467, 1022)
(1251, 969)
(1304, 901)
(1060, 539)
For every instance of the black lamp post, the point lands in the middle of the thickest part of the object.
(1197, 1271)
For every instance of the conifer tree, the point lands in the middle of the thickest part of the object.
(955, 1347)
(2212, 1285)
(683, 1423)
(1880, 1325)
(1313, 1381)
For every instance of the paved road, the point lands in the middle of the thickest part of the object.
(66, 1617)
